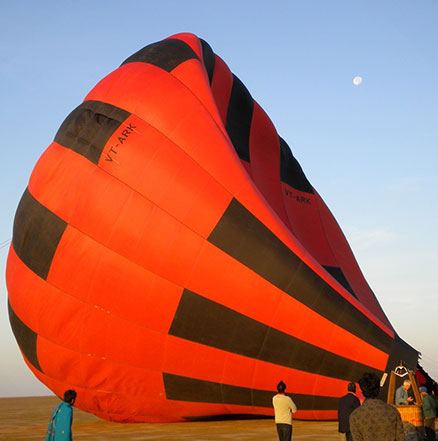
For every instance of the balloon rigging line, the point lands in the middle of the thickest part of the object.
(5, 243)
(429, 360)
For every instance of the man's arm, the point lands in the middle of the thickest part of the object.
(293, 406)
(355, 404)
(354, 429)
(399, 397)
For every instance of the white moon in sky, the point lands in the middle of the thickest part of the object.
(357, 80)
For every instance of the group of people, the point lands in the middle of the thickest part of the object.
(404, 397)
(376, 420)
(373, 420)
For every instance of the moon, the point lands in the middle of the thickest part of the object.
(357, 80)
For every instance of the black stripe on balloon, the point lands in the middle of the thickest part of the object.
(239, 117)
(26, 338)
(206, 322)
(208, 58)
(88, 128)
(242, 236)
(337, 273)
(291, 172)
(181, 388)
(166, 54)
(37, 232)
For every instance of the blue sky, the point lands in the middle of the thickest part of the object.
(370, 150)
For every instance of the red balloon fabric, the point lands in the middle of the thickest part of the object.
(170, 260)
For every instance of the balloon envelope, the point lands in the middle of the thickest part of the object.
(171, 261)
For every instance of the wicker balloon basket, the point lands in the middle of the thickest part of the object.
(412, 414)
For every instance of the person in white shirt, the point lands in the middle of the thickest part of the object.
(283, 409)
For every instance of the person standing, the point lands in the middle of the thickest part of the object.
(429, 413)
(62, 418)
(346, 405)
(283, 409)
(401, 394)
(375, 420)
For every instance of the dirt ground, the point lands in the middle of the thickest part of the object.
(26, 419)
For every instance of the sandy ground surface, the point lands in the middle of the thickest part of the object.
(26, 419)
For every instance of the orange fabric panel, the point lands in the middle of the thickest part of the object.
(58, 387)
(303, 215)
(238, 370)
(125, 407)
(189, 359)
(46, 310)
(103, 278)
(97, 373)
(194, 76)
(47, 183)
(207, 281)
(264, 156)
(165, 175)
(106, 335)
(123, 220)
(86, 328)
(221, 86)
(89, 330)
(61, 363)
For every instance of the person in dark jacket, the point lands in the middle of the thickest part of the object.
(346, 405)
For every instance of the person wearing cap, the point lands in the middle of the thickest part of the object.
(283, 409)
(429, 413)
(401, 394)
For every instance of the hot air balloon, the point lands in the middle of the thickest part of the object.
(170, 260)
